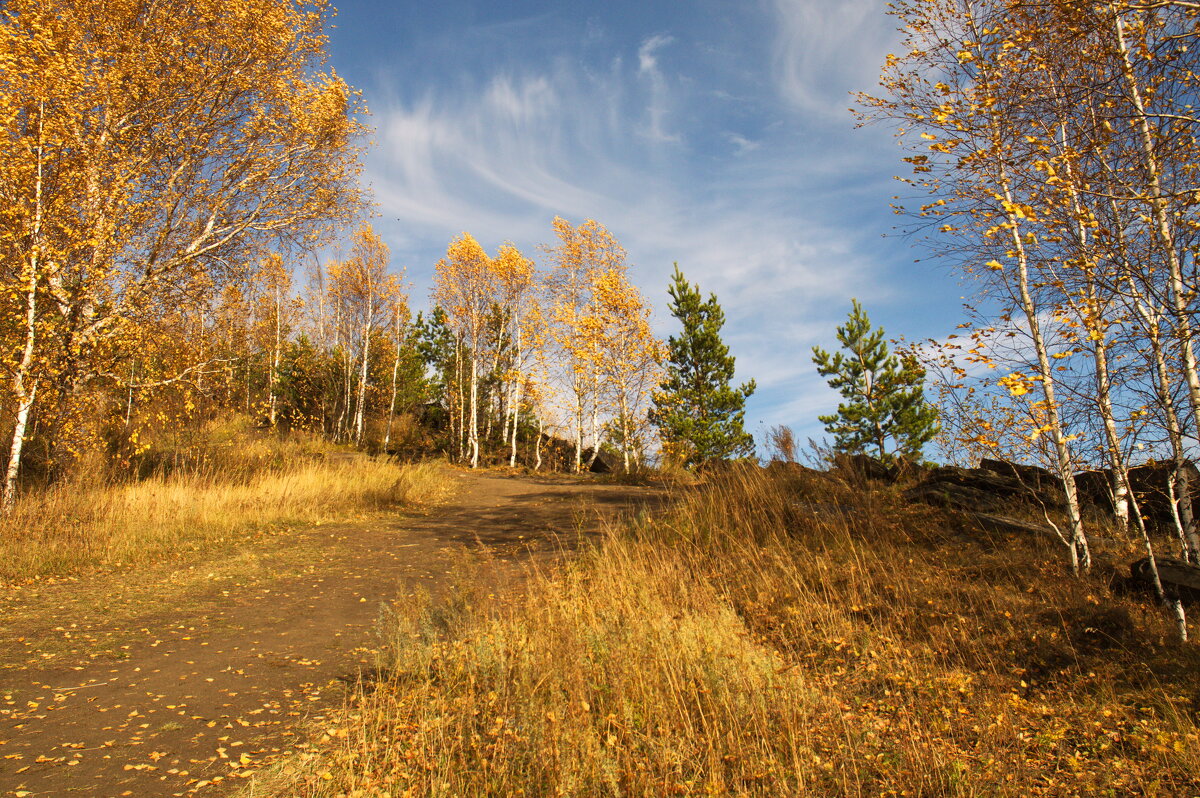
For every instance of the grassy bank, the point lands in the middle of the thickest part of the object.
(775, 636)
(253, 482)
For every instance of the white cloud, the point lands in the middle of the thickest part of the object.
(658, 106)
(750, 222)
(825, 50)
(647, 62)
(743, 144)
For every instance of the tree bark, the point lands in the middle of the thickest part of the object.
(387, 435)
(276, 357)
(360, 411)
(1179, 292)
(24, 383)
(1079, 550)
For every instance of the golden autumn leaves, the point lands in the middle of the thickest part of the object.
(1056, 143)
(576, 340)
(150, 149)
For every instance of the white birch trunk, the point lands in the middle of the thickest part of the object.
(1077, 546)
(276, 357)
(578, 433)
(474, 429)
(515, 398)
(1114, 453)
(1174, 603)
(360, 411)
(387, 436)
(624, 432)
(1179, 292)
(1183, 514)
(24, 384)
(462, 401)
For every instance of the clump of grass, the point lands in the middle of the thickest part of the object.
(772, 635)
(79, 524)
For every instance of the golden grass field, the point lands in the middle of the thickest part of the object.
(245, 483)
(776, 635)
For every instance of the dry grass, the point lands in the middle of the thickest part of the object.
(254, 483)
(773, 636)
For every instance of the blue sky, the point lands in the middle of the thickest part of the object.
(714, 133)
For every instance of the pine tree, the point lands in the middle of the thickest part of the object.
(698, 413)
(885, 395)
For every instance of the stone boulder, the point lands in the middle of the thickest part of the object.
(557, 454)
(604, 462)
(1150, 483)
(863, 467)
(1034, 477)
(979, 490)
(1179, 578)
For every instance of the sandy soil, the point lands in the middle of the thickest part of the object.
(185, 681)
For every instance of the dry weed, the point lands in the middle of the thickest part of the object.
(774, 635)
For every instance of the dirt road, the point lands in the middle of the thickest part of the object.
(187, 681)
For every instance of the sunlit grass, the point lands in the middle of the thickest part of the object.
(775, 636)
(79, 524)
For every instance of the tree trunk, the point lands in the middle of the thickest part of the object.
(276, 357)
(595, 437)
(1183, 515)
(1079, 550)
(462, 400)
(474, 429)
(578, 433)
(387, 436)
(24, 384)
(624, 411)
(537, 447)
(360, 411)
(1078, 544)
(1179, 293)
(515, 399)
(1173, 602)
(1114, 453)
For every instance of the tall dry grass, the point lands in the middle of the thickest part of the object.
(776, 636)
(253, 483)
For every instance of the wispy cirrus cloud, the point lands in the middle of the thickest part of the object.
(657, 107)
(681, 160)
(824, 51)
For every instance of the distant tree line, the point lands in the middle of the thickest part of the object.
(171, 172)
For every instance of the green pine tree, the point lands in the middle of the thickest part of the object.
(699, 415)
(885, 395)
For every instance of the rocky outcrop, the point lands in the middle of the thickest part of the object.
(785, 468)
(1035, 478)
(604, 462)
(1179, 578)
(981, 490)
(860, 467)
(1150, 483)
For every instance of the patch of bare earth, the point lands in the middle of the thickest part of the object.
(177, 681)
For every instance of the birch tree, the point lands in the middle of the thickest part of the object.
(517, 280)
(163, 140)
(465, 286)
(960, 88)
(371, 292)
(582, 253)
(624, 352)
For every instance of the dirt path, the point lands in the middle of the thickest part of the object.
(187, 683)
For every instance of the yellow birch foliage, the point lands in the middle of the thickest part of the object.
(583, 252)
(146, 147)
(465, 287)
(622, 348)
